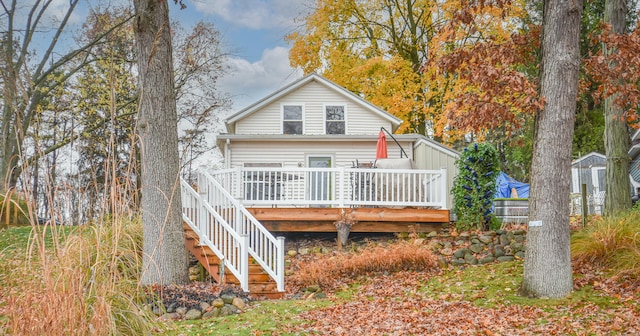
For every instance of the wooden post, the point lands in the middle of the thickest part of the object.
(585, 206)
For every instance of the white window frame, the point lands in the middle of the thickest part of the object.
(282, 116)
(324, 117)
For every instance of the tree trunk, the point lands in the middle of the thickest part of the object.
(616, 132)
(164, 259)
(547, 267)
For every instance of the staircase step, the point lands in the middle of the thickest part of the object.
(260, 283)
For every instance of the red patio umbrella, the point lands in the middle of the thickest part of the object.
(381, 147)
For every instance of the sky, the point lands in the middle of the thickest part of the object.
(253, 32)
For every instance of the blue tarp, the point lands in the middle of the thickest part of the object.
(504, 184)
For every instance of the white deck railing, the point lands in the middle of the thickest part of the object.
(266, 250)
(337, 187)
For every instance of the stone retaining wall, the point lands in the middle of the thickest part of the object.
(471, 248)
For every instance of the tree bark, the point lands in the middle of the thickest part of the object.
(616, 132)
(164, 259)
(547, 267)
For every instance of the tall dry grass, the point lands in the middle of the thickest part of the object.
(610, 243)
(83, 284)
(329, 270)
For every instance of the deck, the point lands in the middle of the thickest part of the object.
(367, 219)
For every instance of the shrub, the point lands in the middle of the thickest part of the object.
(328, 271)
(610, 242)
(474, 187)
(84, 284)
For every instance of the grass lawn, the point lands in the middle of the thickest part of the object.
(469, 301)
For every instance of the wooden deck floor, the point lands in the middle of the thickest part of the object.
(368, 219)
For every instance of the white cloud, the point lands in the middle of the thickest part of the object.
(249, 82)
(254, 14)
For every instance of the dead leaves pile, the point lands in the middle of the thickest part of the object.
(393, 305)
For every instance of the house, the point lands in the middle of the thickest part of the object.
(634, 156)
(590, 170)
(314, 122)
(302, 159)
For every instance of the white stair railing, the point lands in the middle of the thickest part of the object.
(215, 232)
(266, 250)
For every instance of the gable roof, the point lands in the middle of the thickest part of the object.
(300, 83)
(589, 159)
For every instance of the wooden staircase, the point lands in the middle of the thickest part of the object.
(260, 283)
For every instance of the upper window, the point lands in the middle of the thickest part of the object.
(292, 119)
(334, 119)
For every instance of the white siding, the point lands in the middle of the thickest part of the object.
(429, 157)
(314, 96)
(291, 154)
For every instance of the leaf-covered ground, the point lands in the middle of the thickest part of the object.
(408, 303)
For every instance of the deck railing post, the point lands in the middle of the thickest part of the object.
(244, 262)
(238, 178)
(342, 186)
(280, 264)
(443, 188)
(202, 212)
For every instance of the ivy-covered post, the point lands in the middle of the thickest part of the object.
(475, 186)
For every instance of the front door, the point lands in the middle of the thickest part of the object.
(319, 181)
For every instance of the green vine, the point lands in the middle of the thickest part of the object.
(475, 186)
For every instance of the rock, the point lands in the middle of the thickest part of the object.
(465, 234)
(193, 314)
(432, 234)
(460, 242)
(498, 251)
(505, 258)
(181, 311)
(461, 253)
(292, 253)
(447, 244)
(504, 240)
(500, 232)
(519, 238)
(157, 310)
(476, 248)
(303, 251)
(313, 288)
(516, 247)
(226, 310)
(470, 259)
(238, 302)
(485, 239)
(227, 298)
(519, 255)
(511, 236)
(321, 295)
(489, 233)
(520, 232)
(458, 262)
(442, 262)
(288, 272)
(204, 306)
(418, 241)
(169, 317)
(447, 251)
(215, 312)
(172, 307)
(486, 260)
(475, 241)
(217, 303)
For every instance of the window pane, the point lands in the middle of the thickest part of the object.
(292, 127)
(292, 112)
(335, 112)
(335, 127)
